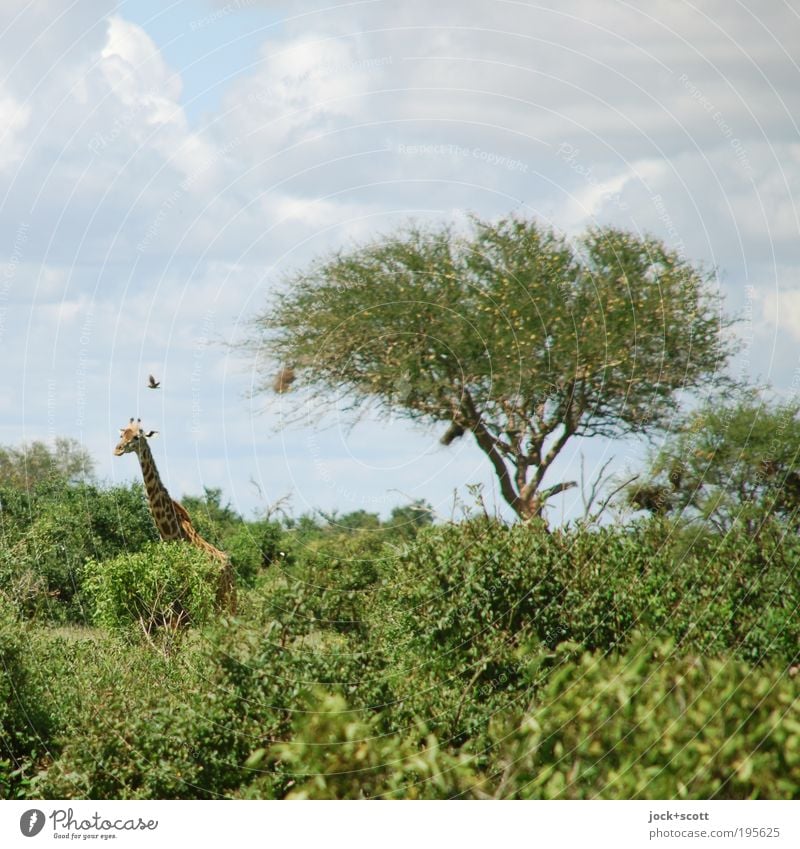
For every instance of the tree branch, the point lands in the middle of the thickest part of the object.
(598, 482)
(488, 445)
(607, 500)
(548, 493)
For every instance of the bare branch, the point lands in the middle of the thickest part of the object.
(607, 500)
(598, 482)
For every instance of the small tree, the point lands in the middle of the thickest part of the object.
(30, 464)
(508, 332)
(730, 460)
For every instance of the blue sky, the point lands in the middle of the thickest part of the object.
(209, 43)
(163, 164)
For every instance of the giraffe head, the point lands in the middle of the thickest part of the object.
(131, 437)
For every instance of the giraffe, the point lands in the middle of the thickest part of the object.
(170, 517)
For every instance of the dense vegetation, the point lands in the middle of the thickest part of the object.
(654, 658)
(392, 658)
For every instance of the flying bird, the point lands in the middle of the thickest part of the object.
(153, 383)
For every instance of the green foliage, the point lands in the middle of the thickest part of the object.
(325, 585)
(184, 726)
(25, 708)
(26, 466)
(251, 545)
(333, 754)
(47, 534)
(131, 722)
(212, 519)
(507, 331)
(402, 525)
(254, 546)
(732, 460)
(164, 585)
(650, 724)
(464, 660)
(406, 522)
(470, 603)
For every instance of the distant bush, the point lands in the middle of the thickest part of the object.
(25, 466)
(164, 585)
(47, 534)
(254, 546)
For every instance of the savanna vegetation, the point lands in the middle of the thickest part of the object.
(402, 657)
(508, 333)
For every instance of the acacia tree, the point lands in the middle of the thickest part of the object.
(507, 332)
(731, 460)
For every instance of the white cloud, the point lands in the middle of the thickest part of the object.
(135, 70)
(682, 121)
(781, 309)
(14, 118)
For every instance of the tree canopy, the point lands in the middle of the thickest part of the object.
(508, 331)
(732, 459)
(25, 466)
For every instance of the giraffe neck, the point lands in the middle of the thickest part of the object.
(158, 498)
(173, 523)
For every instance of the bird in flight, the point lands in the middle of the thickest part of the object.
(153, 383)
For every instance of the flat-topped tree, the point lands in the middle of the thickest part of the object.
(170, 517)
(508, 332)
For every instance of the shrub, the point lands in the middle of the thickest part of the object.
(334, 754)
(48, 534)
(25, 709)
(474, 660)
(254, 546)
(129, 720)
(653, 725)
(461, 608)
(166, 584)
(183, 727)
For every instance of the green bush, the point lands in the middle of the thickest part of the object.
(650, 724)
(25, 709)
(165, 585)
(129, 719)
(334, 754)
(184, 726)
(472, 660)
(461, 608)
(46, 535)
(254, 546)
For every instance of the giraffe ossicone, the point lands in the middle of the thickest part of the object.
(170, 517)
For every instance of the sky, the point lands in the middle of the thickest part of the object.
(164, 165)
